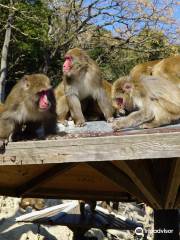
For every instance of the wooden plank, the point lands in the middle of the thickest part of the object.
(74, 194)
(173, 184)
(142, 178)
(45, 176)
(113, 173)
(141, 146)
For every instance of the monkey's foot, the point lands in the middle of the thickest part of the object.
(2, 146)
(110, 120)
(63, 122)
(80, 123)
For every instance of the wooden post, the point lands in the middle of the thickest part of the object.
(166, 224)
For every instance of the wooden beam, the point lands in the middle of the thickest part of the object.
(142, 178)
(173, 184)
(177, 202)
(44, 177)
(80, 194)
(123, 147)
(117, 176)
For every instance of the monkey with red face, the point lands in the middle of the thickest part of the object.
(30, 101)
(82, 78)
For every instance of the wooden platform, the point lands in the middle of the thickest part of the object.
(93, 165)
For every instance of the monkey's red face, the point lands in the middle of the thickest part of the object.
(44, 103)
(68, 64)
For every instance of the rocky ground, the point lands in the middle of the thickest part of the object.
(10, 230)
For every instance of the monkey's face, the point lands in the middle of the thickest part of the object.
(121, 97)
(38, 91)
(71, 65)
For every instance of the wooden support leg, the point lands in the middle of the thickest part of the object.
(78, 233)
(166, 224)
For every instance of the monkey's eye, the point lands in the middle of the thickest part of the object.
(69, 58)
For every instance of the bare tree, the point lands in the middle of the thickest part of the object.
(4, 55)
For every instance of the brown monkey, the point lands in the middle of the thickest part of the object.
(62, 108)
(143, 69)
(1, 107)
(168, 68)
(83, 79)
(90, 108)
(152, 101)
(35, 203)
(30, 100)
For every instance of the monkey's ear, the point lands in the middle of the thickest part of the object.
(127, 87)
(25, 82)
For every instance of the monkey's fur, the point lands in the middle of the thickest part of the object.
(83, 79)
(22, 106)
(90, 107)
(152, 101)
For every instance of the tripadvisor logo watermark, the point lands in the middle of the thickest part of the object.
(139, 231)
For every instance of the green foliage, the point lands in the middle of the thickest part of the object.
(32, 49)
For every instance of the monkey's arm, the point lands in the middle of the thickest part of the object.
(75, 109)
(133, 119)
(105, 104)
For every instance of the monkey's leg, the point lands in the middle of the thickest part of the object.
(133, 120)
(105, 105)
(76, 111)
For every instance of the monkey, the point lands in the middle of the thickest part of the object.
(1, 107)
(35, 203)
(82, 78)
(90, 108)
(168, 68)
(62, 108)
(152, 102)
(31, 100)
(143, 69)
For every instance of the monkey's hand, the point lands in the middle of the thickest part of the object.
(118, 124)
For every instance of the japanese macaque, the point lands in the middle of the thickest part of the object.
(83, 79)
(151, 101)
(90, 107)
(168, 68)
(35, 203)
(1, 107)
(143, 69)
(30, 101)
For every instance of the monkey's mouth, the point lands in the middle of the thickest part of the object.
(119, 101)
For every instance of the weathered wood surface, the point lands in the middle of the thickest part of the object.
(108, 148)
(93, 166)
